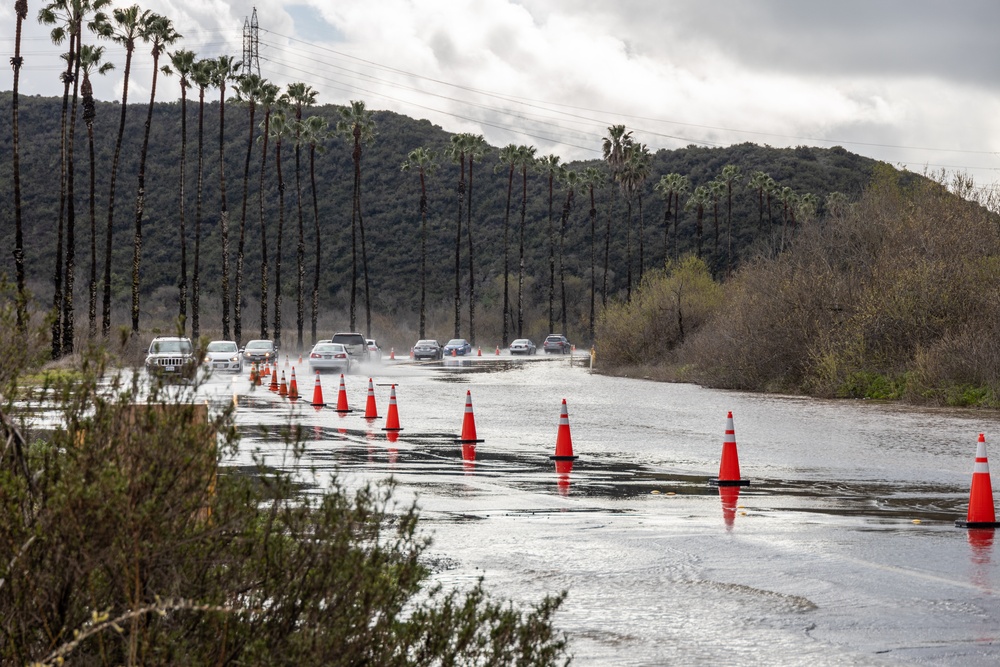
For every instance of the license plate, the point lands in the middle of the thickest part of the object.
(327, 356)
(169, 369)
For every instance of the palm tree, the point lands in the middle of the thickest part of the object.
(836, 203)
(475, 149)
(299, 95)
(124, 31)
(640, 164)
(201, 74)
(280, 127)
(90, 62)
(160, 32)
(758, 181)
(247, 91)
(456, 151)
(730, 177)
(21, 10)
(592, 178)
(424, 161)
(224, 71)
(182, 62)
(667, 187)
(613, 150)
(315, 131)
(808, 206)
(525, 160)
(268, 98)
(631, 175)
(357, 122)
(572, 180)
(789, 200)
(698, 200)
(683, 186)
(549, 165)
(716, 191)
(508, 160)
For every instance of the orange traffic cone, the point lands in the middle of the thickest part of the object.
(469, 423)
(342, 397)
(480, 353)
(411, 353)
(317, 401)
(293, 388)
(253, 374)
(498, 350)
(274, 380)
(981, 513)
(257, 379)
(283, 388)
(392, 420)
(371, 412)
(729, 467)
(300, 358)
(564, 441)
(267, 370)
(392, 353)
(454, 352)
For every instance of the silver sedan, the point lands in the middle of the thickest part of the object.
(327, 356)
(522, 346)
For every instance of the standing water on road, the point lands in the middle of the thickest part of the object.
(841, 551)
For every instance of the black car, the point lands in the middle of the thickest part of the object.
(260, 352)
(427, 349)
(556, 344)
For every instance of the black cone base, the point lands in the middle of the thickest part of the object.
(962, 523)
(715, 481)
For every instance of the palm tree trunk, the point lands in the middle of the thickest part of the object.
(506, 256)
(300, 249)
(520, 271)
(458, 249)
(607, 247)
(677, 210)
(196, 275)
(562, 246)
(354, 252)
(364, 265)
(666, 229)
(182, 287)
(21, 10)
(263, 227)
(593, 262)
(472, 265)
(57, 274)
(552, 259)
(88, 117)
(240, 247)
(277, 254)
(641, 235)
(423, 254)
(68, 324)
(319, 255)
(628, 250)
(109, 232)
(140, 203)
(224, 215)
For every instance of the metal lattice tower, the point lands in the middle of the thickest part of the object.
(251, 55)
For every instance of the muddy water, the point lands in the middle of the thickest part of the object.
(841, 551)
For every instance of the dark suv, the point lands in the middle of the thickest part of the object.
(356, 344)
(170, 356)
(557, 344)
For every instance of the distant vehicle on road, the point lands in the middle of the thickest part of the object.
(427, 349)
(356, 344)
(260, 351)
(327, 356)
(557, 344)
(374, 349)
(224, 355)
(522, 346)
(460, 346)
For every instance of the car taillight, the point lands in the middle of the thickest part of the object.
(340, 356)
(315, 355)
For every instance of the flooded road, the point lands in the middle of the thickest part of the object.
(841, 551)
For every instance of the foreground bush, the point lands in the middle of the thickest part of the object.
(121, 543)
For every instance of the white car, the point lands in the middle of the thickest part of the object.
(327, 356)
(374, 351)
(522, 346)
(224, 355)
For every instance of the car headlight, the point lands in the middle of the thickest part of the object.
(207, 359)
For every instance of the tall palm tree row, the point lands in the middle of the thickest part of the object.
(613, 149)
(357, 124)
(159, 31)
(424, 162)
(182, 62)
(16, 62)
(247, 90)
(549, 165)
(123, 30)
(299, 95)
(730, 177)
(268, 99)
(315, 131)
(90, 63)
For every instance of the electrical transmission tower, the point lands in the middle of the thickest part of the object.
(251, 55)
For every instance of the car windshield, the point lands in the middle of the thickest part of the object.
(168, 346)
(457, 342)
(222, 346)
(259, 345)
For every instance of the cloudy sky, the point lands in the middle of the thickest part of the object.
(911, 82)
